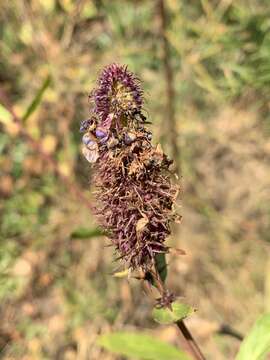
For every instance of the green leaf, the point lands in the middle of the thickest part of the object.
(5, 116)
(86, 233)
(166, 316)
(161, 266)
(140, 346)
(37, 99)
(256, 345)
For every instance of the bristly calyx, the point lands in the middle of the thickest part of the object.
(134, 191)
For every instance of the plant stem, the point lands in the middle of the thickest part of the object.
(170, 91)
(190, 342)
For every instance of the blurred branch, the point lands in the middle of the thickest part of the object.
(43, 154)
(70, 24)
(225, 329)
(170, 91)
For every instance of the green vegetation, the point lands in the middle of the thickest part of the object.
(57, 294)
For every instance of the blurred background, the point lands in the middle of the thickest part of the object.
(205, 66)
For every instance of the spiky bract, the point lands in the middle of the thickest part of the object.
(134, 192)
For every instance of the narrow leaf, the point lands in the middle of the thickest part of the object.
(86, 233)
(161, 266)
(166, 316)
(256, 345)
(140, 346)
(37, 99)
(121, 274)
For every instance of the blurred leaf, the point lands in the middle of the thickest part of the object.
(48, 5)
(86, 233)
(68, 5)
(89, 10)
(9, 251)
(179, 312)
(64, 168)
(37, 99)
(4, 140)
(257, 343)
(161, 266)
(49, 143)
(26, 33)
(5, 115)
(121, 274)
(32, 330)
(21, 213)
(140, 346)
(267, 285)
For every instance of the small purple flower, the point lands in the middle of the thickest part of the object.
(84, 125)
(87, 140)
(101, 133)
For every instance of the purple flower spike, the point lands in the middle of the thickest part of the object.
(134, 192)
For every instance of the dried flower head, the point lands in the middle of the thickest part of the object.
(134, 192)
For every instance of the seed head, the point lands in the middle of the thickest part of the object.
(134, 192)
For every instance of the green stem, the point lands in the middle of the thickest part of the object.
(190, 342)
